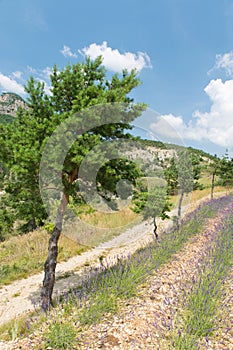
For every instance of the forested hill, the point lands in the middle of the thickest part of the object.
(9, 104)
(169, 146)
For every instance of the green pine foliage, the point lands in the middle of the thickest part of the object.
(225, 171)
(6, 119)
(73, 89)
(152, 202)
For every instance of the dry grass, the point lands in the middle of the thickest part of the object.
(25, 255)
(197, 195)
(110, 220)
(96, 228)
(22, 256)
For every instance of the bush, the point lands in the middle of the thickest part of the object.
(60, 336)
(6, 224)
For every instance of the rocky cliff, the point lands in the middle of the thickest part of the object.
(9, 103)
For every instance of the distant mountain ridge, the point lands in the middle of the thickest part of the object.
(9, 104)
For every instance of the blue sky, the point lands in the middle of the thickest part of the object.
(183, 50)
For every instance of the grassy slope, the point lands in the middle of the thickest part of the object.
(22, 256)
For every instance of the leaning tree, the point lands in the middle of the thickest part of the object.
(73, 93)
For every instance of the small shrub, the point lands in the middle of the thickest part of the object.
(6, 224)
(49, 227)
(61, 336)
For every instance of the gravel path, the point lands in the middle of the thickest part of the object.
(22, 296)
(144, 322)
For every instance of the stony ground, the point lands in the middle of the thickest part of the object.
(21, 296)
(145, 320)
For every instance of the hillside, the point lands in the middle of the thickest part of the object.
(9, 104)
(163, 147)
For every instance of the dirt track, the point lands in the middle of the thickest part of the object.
(23, 295)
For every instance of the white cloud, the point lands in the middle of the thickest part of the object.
(31, 70)
(215, 126)
(10, 85)
(46, 72)
(17, 75)
(225, 62)
(42, 75)
(168, 126)
(15, 81)
(116, 61)
(66, 51)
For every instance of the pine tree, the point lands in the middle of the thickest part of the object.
(152, 202)
(188, 174)
(213, 168)
(74, 91)
(171, 176)
(225, 171)
(23, 141)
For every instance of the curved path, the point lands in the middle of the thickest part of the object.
(23, 295)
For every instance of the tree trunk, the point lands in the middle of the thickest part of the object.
(32, 225)
(179, 210)
(51, 261)
(212, 186)
(155, 229)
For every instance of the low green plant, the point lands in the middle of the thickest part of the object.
(49, 227)
(61, 336)
(14, 331)
(6, 223)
